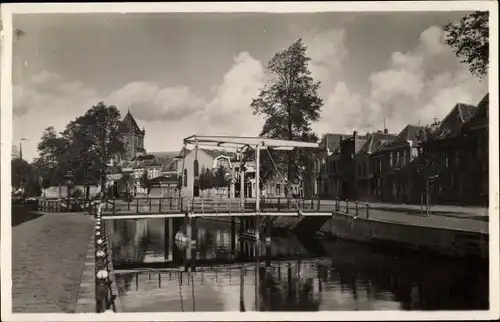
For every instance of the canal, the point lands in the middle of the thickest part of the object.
(287, 274)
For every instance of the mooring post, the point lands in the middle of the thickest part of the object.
(233, 234)
(356, 207)
(242, 289)
(149, 203)
(192, 246)
(137, 205)
(367, 210)
(318, 205)
(166, 240)
(114, 203)
(347, 206)
(159, 206)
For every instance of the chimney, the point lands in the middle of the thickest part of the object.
(386, 131)
(355, 134)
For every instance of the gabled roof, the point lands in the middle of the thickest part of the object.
(217, 153)
(165, 154)
(130, 122)
(452, 124)
(183, 152)
(376, 141)
(480, 118)
(409, 133)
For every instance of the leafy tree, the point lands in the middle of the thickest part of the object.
(469, 39)
(94, 139)
(51, 163)
(221, 177)
(20, 170)
(290, 103)
(206, 179)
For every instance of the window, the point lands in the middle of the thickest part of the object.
(457, 159)
(185, 178)
(390, 160)
(446, 160)
(334, 164)
(325, 186)
(278, 189)
(404, 157)
(397, 159)
(364, 169)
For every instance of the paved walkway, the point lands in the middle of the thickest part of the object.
(48, 257)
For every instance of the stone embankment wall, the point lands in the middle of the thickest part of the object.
(445, 241)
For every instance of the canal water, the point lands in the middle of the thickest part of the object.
(286, 275)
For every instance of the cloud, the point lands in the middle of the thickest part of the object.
(327, 51)
(148, 102)
(230, 109)
(416, 87)
(167, 113)
(341, 111)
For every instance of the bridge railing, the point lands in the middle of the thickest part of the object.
(159, 205)
(66, 205)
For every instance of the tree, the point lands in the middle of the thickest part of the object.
(290, 103)
(469, 39)
(221, 177)
(93, 140)
(53, 156)
(206, 179)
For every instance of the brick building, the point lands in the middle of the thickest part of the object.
(393, 176)
(445, 147)
(475, 156)
(349, 147)
(325, 181)
(366, 183)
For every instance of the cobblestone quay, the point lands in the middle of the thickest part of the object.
(48, 258)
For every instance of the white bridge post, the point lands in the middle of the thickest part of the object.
(257, 178)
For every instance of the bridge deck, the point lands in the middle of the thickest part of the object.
(172, 207)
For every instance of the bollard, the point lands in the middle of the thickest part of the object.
(356, 207)
(170, 202)
(137, 205)
(279, 201)
(101, 291)
(114, 203)
(128, 202)
(159, 206)
(367, 210)
(347, 206)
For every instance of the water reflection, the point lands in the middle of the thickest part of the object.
(285, 275)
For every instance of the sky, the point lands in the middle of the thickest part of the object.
(196, 73)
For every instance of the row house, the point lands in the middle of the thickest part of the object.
(392, 175)
(475, 150)
(458, 153)
(325, 180)
(349, 148)
(443, 148)
(365, 168)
